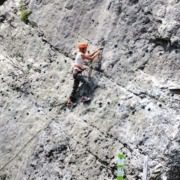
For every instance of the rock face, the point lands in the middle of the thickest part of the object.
(134, 108)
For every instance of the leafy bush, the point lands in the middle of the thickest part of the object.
(24, 12)
(24, 16)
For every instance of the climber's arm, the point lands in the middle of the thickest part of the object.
(90, 56)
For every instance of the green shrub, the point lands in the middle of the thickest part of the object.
(24, 12)
(24, 15)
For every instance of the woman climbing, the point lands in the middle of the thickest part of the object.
(78, 68)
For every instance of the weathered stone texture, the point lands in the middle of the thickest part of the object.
(133, 109)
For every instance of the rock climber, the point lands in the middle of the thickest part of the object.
(78, 67)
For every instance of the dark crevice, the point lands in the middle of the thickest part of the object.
(165, 43)
(160, 41)
(131, 2)
(2, 18)
(2, 2)
(175, 45)
(175, 90)
(109, 5)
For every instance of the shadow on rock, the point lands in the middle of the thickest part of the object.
(87, 90)
(174, 166)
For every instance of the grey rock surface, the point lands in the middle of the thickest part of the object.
(133, 109)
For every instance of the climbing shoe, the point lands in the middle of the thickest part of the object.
(69, 103)
(85, 99)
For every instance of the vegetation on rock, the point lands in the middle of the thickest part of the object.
(24, 12)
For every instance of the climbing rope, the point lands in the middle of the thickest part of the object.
(26, 144)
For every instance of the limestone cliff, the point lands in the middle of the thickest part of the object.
(136, 103)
